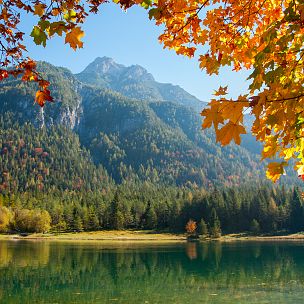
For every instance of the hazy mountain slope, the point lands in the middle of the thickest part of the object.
(46, 159)
(157, 140)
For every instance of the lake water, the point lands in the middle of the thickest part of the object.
(247, 272)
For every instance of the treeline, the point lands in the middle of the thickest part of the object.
(259, 209)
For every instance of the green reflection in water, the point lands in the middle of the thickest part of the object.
(50, 272)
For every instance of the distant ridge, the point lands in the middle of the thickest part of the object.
(144, 140)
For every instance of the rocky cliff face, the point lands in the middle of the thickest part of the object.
(17, 97)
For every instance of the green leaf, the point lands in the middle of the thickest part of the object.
(44, 24)
(39, 36)
(154, 13)
(146, 4)
(57, 27)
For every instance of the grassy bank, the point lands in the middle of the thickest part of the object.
(124, 235)
(140, 235)
(245, 237)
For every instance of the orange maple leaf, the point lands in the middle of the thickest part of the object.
(39, 9)
(221, 91)
(230, 132)
(212, 116)
(73, 38)
(43, 96)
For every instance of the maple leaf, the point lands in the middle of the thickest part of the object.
(3, 74)
(39, 36)
(43, 96)
(229, 132)
(270, 148)
(212, 115)
(221, 91)
(73, 38)
(233, 110)
(300, 171)
(275, 170)
(39, 9)
(57, 27)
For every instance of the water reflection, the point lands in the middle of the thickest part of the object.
(46, 272)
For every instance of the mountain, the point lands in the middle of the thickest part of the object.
(112, 136)
(134, 82)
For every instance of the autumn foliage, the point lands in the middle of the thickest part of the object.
(265, 37)
(191, 227)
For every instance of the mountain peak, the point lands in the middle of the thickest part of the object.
(103, 59)
(103, 65)
(137, 73)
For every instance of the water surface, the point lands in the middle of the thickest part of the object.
(247, 272)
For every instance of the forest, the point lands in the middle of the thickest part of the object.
(96, 160)
(255, 209)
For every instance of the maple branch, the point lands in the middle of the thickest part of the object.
(190, 18)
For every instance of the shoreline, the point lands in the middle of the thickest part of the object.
(144, 236)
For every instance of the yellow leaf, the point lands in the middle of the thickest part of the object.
(230, 132)
(234, 110)
(275, 170)
(300, 170)
(73, 38)
(270, 148)
(212, 115)
(39, 9)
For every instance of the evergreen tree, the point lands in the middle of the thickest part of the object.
(255, 227)
(148, 219)
(296, 212)
(116, 216)
(77, 224)
(215, 225)
(203, 228)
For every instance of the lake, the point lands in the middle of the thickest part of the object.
(239, 272)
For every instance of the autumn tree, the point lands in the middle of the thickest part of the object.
(263, 36)
(191, 227)
(5, 218)
(26, 220)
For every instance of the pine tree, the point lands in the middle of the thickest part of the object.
(215, 225)
(149, 218)
(117, 218)
(296, 212)
(203, 228)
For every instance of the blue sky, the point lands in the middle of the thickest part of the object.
(131, 38)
